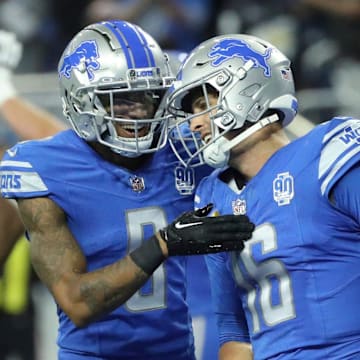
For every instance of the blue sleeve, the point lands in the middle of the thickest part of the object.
(347, 193)
(19, 177)
(230, 316)
(340, 152)
(203, 193)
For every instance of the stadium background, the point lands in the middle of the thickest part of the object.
(321, 43)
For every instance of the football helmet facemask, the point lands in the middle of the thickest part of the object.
(113, 78)
(253, 85)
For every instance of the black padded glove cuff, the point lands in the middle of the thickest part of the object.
(148, 256)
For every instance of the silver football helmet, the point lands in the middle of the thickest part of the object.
(113, 77)
(254, 87)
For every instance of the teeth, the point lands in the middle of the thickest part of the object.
(132, 127)
(142, 138)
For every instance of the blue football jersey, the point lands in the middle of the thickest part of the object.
(201, 309)
(294, 291)
(110, 211)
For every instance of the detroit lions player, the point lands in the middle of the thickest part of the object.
(90, 196)
(293, 293)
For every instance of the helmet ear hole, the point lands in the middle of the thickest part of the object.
(286, 105)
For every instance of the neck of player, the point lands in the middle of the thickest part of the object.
(126, 162)
(250, 156)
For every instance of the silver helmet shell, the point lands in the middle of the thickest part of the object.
(114, 59)
(251, 79)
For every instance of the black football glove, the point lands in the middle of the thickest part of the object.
(193, 233)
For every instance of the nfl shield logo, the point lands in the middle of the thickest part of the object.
(137, 183)
(239, 207)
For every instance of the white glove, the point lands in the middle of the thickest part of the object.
(10, 55)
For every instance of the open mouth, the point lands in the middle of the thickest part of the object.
(132, 130)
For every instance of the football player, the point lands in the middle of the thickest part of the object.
(293, 293)
(97, 199)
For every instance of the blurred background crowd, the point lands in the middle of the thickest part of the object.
(319, 36)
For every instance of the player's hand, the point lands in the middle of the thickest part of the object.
(10, 50)
(194, 233)
(10, 55)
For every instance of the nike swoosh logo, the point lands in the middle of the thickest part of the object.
(179, 225)
(12, 153)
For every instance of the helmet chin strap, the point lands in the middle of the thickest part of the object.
(124, 153)
(214, 155)
(217, 154)
(130, 147)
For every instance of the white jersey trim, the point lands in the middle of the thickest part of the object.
(25, 182)
(337, 129)
(13, 163)
(336, 168)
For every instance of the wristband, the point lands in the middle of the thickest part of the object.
(7, 89)
(148, 256)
